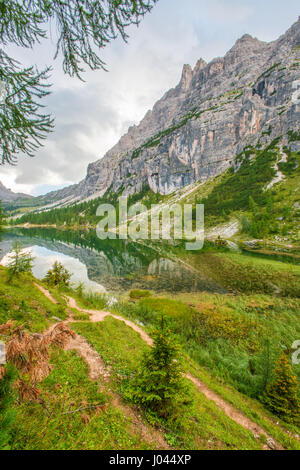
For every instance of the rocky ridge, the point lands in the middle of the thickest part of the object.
(6, 195)
(195, 130)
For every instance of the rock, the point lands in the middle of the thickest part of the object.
(56, 318)
(2, 353)
(271, 443)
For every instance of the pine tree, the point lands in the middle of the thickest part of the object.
(83, 28)
(252, 205)
(20, 261)
(281, 396)
(58, 275)
(159, 386)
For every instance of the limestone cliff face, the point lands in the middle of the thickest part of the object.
(194, 131)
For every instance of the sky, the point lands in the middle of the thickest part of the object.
(90, 117)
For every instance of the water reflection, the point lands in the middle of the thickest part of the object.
(44, 260)
(111, 265)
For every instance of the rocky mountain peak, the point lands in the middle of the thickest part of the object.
(246, 38)
(195, 130)
(246, 44)
(186, 77)
(200, 65)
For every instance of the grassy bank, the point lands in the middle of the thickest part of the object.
(222, 339)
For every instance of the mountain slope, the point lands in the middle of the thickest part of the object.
(6, 195)
(258, 196)
(197, 128)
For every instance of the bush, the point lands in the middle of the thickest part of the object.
(139, 294)
(159, 386)
(220, 242)
(281, 396)
(58, 275)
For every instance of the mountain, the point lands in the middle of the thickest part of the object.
(194, 132)
(6, 195)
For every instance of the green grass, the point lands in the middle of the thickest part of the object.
(247, 274)
(118, 345)
(222, 337)
(88, 300)
(171, 308)
(21, 301)
(139, 294)
(236, 338)
(68, 388)
(202, 426)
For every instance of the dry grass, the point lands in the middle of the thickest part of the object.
(7, 327)
(2, 372)
(30, 354)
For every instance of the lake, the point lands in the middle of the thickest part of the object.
(112, 266)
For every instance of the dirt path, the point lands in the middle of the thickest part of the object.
(234, 414)
(99, 371)
(91, 357)
(99, 315)
(46, 293)
(97, 367)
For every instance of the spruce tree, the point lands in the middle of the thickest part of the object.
(20, 261)
(58, 275)
(159, 387)
(281, 396)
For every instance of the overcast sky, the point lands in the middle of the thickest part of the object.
(91, 117)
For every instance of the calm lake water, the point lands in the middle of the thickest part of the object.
(105, 266)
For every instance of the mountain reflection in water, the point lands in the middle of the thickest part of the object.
(106, 265)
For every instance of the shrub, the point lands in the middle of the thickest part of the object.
(159, 386)
(58, 275)
(139, 294)
(220, 242)
(281, 396)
